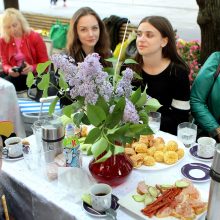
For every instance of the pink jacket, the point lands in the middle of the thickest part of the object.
(32, 46)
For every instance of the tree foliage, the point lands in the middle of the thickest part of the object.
(209, 22)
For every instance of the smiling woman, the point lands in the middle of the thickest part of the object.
(87, 34)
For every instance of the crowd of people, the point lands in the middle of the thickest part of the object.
(160, 66)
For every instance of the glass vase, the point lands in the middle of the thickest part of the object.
(114, 171)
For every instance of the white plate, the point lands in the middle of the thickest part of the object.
(161, 166)
(135, 207)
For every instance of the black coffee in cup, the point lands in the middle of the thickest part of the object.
(13, 143)
(101, 194)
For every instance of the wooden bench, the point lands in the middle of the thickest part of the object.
(44, 22)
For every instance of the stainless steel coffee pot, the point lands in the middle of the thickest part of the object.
(52, 138)
(214, 192)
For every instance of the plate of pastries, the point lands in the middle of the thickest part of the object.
(153, 152)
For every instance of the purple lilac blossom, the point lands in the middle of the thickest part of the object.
(87, 79)
(65, 64)
(124, 87)
(130, 113)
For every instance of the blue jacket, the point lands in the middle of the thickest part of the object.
(206, 110)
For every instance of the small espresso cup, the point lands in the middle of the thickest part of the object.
(206, 147)
(101, 196)
(14, 146)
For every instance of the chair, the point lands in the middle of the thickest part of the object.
(32, 111)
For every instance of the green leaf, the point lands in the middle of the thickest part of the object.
(93, 135)
(85, 120)
(53, 105)
(105, 157)
(95, 114)
(99, 147)
(137, 76)
(112, 59)
(117, 133)
(77, 118)
(45, 93)
(67, 110)
(62, 82)
(152, 105)
(44, 83)
(119, 149)
(30, 80)
(137, 129)
(143, 99)
(41, 67)
(102, 103)
(143, 116)
(136, 96)
(130, 61)
(115, 117)
(109, 70)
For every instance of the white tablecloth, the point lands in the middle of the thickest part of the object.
(9, 108)
(44, 195)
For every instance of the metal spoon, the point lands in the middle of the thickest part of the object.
(111, 213)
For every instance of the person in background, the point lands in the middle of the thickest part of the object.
(87, 34)
(21, 48)
(205, 99)
(163, 71)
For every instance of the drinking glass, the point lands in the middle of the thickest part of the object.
(154, 120)
(186, 132)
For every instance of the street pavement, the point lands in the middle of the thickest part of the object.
(182, 14)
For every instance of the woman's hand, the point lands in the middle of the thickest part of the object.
(12, 73)
(28, 68)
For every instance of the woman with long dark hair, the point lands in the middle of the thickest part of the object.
(163, 71)
(87, 34)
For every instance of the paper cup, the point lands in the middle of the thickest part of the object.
(206, 147)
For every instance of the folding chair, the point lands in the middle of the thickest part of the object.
(32, 111)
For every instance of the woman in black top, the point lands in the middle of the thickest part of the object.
(163, 71)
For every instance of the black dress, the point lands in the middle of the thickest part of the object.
(171, 88)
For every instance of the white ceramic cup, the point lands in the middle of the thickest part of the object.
(101, 196)
(14, 146)
(206, 147)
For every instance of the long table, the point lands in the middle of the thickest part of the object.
(32, 196)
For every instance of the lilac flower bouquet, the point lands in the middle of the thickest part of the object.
(100, 97)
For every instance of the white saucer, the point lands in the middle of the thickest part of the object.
(193, 152)
(196, 172)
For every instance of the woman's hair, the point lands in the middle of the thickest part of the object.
(166, 30)
(74, 46)
(6, 19)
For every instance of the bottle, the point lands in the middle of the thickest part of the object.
(72, 147)
(214, 192)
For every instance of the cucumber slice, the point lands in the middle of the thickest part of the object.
(166, 186)
(148, 199)
(87, 198)
(153, 191)
(181, 184)
(139, 198)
